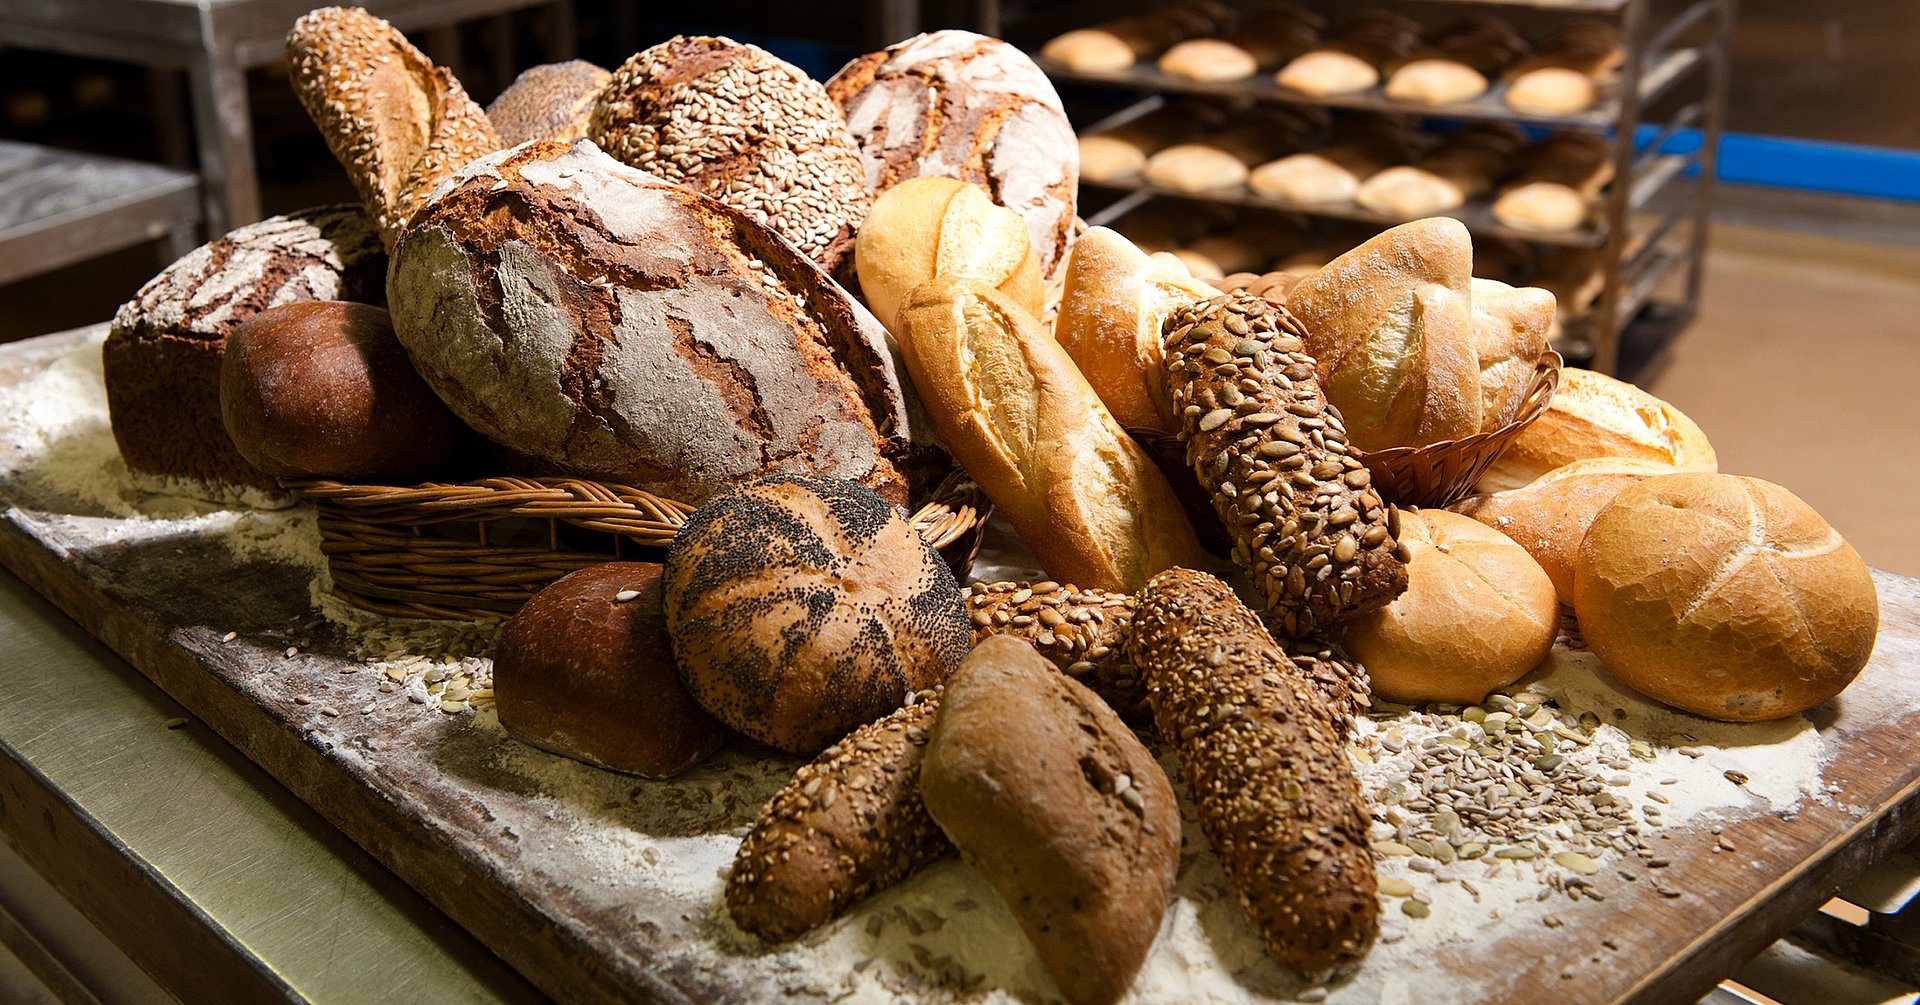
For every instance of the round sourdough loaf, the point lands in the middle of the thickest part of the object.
(1728, 597)
(608, 324)
(959, 105)
(738, 123)
(801, 607)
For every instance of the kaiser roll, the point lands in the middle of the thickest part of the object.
(1594, 415)
(927, 227)
(1550, 515)
(1725, 596)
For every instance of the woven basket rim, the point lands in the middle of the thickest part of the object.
(1540, 390)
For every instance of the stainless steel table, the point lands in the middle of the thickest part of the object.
(215, 42)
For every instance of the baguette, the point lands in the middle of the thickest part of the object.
(1271, 784)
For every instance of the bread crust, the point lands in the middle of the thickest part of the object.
(553, 101)
(1550, 515)
(926, 227)
(1594, 415)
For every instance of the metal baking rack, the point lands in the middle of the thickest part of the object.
(1645, 234)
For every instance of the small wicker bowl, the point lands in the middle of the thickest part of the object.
(1443, 473)
(483, 548)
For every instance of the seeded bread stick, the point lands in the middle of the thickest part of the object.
(849, 825)
(1084, 633)
(1271, 784)
(1303, 514)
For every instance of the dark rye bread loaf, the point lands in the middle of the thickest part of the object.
(601, 321)
(738, 123)
(163, 353)
(954, 104)
(552, 101)
(802, 607)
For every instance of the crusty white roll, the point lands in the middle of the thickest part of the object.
(1550, 515)
(1567, 73)
(1391, 324)
(1510, 327)
(1559, 180)
(1195, 167)
(1456, 62)
(1464, 166)
(1728, 597)
(1209, 59)
(1015, 411)
(1090, 50)
(1478, 613)
(926, 227)
(1594, 415)
(1110, 315)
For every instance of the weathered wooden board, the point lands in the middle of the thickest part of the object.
(600, 887)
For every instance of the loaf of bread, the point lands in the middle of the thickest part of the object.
(1118, 44)
(553, 101)
(1208, 59)
(1305, 521)
(1465, 165)
(1110, 315)
(1566, 75)
(1353, 59)
(1361, 147)
(1055, 802)
(1014, 409)
(738, 123)
(1457, 62)
(928, 227)
(802, 607)
(1094, 50)
(399, 124)
(584, 670)
(1271, 783)
(1120, 153)
(1550, 515)
(163, 353)
(1724, 596)
(954, 104)
(1510, 327)
(324, 390)
(608, 324)
(1390, 325)
(849, 825)
(1560, 178)
(1594, 415)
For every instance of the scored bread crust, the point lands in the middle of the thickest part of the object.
(1550, 515)
(1594, 415)
(399, 124)
(926, 227)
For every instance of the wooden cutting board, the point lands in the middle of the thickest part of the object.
(600, 887)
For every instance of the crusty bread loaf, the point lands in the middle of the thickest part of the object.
(585, 670)
(735, 122)
(1391, 326)
(1510, 326)
(162, 356)
(1014, 409)
(928, 227)
(1271, 783)
(802, 607)
(1477, 615)
(553, 101)
(399, 124)
(1272, 286)
(954, 104)
(1728, 597)
(1550, 515)
(849, 825)
(1110, 314)
(1594, 415)
(608, 324)
(1052, 799)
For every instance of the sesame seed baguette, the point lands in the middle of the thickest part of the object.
(399, 124)
(1262, 439)
(1271, 784)
(849, 825)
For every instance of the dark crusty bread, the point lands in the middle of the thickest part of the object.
(1055, 802)
(324, 390)
(399, 124)
(802, 606)
(585, 670)
(1271, 784)
(591, 316)
(738, 123)
(162, 355)
(552, 101)
(849, 825)
(959, 105)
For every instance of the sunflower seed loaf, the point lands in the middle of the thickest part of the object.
(849, 825)
(1084, 633)
(1271, 783)
(1303, 514)
(735, 122)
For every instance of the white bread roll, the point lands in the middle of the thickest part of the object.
(1391, 324)
(1106, 158)
(1728, 597)
(1195, 167)
(1090, 50)
(1015, 411)
(1510, 327)
(1115, 300)
(1541, 206)
(1552, 90)
(1594, 415)
(1436, 81)
(926, 227)
(1407, 192)
(1326, 72)
(1478, 614)
(1550, 515)
(1209, 59)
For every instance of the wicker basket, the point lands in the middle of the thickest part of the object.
(483, 548)
(1443, 473)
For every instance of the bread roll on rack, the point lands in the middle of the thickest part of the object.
(1118, 44)
(1566, 74)
(1353, 59)
(1363, 146)
(1265, 39)
(1457, 62)
(1464, 166)
(1561, 177)
(1119, 153)
(1223, 159)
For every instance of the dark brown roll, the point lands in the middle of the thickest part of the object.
(585, 670)
(553, 101)
(802, 607)
(324, 390)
